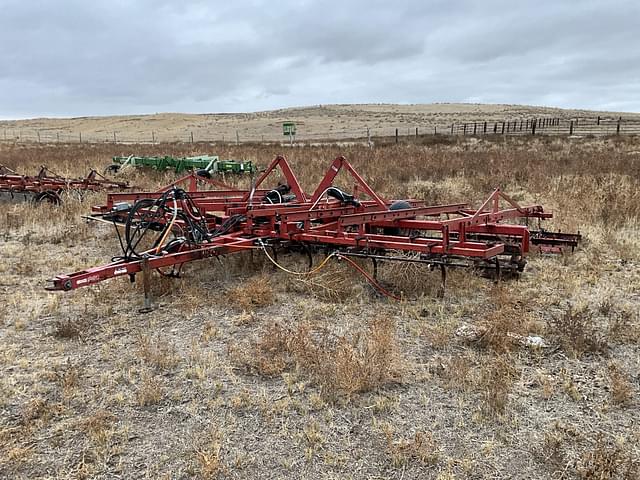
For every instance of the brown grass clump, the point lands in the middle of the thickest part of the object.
(496, 379)
(621, 389)
(99, 427)
(269, 355)
(68, 378)
(578, 333)
(157, 352)
(623, 325)
(340, 364)
(149, 392)
(68, 329)
(608, 460)
(421, 447)
(503, 327)
(208, 456)
(34, 409)
(456, 372)
(252, 294)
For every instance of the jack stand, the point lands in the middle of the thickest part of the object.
(146, 286)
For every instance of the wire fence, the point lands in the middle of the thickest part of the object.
(582, 126)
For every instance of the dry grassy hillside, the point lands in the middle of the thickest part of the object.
(246, 372)
(318, 122)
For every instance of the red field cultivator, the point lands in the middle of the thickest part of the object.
(164, 230)
(46, 186)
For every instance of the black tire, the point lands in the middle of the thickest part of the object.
(203, 173)
(48, 196)
(113, 168)
(397, 205)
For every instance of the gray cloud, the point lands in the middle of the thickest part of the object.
(75, 57)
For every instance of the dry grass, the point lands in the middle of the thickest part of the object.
(208, 455)
(496, 380)
(298, 377)
(340, 364)
(620, 385)
(157, 352)
(150, 391)
(578, 333)
(608, 460)
(252, 294)
(421, 447)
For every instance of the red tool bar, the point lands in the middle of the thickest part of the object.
(97, 274)
(357, 219)
(468, 249)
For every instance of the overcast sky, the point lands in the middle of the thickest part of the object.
(81, 57)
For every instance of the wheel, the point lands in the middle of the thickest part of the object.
(397, 205)
(113, 168)
(203, 173)
(48, 196)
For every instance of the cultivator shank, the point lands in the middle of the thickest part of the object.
(176, 225)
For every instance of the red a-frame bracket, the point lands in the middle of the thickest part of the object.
(331, 174)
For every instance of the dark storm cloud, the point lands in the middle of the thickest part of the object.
(78, 58)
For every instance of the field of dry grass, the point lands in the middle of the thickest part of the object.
(313, 123)
(245, 372)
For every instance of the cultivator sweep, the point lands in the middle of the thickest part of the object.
(163, 230)
(47, 186)
(204, 165)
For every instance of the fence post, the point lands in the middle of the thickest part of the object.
(502, 133)
(153, 136)
(396, 135)
(416, 132)
(452, 129)
(435, 129)
(484, 128)
(618, 126)
(598, 119)
(115, 140)
(80, 137)
(495, 127)
(533, 126)
(571, 127)
(508, 125)
(191, 137)
(464, 131)
(38, 132)
(474, 128)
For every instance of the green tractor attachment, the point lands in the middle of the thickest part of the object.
(204, 165)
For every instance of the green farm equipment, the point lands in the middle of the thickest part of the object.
(204, 165)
